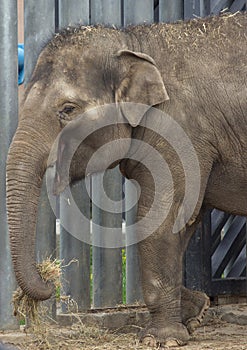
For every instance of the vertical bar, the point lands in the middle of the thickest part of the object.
(76, 277)
(39, 23)
(219, 5)
(171, 11)
(8, 124)
(133, 276)
(193, 274)
(191, 9)
(237, 5)
(107, 262)
(73, 12)
(205, 8)
(156, 11)
(106, 12)
(136, 12)
(246, 255)
(207, 278)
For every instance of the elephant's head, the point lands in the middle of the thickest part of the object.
(74, 73)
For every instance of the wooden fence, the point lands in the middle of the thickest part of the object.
(101, 268)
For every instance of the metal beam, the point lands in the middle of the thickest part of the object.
(39, 18)
(219, 5)
(76, 277)
(136, 12)
(171, 11)
(39, 25)
(133, 276)
(8, 124)
(238, 5)
(107, 262)
(106, 12)
(73, 12)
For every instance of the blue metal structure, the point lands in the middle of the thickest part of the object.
(20, 64)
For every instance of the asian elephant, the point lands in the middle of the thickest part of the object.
(195, 72)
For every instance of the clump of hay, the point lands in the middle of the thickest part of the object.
(29, 310)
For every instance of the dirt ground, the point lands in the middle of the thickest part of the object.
(218, 335)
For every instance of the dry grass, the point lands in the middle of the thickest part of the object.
(32, 311)
(41, 335)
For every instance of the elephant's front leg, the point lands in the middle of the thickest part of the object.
(161, 257)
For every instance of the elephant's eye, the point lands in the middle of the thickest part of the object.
(68, 109)
(64, 114)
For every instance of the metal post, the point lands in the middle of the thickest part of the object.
(205, 8)
(133, 277)
(106, 12)
(8, 124)
(171, 11)
(136, 12)
(39, 17)
(73, 12)
(218, 5)
(246, 256)
(76, 277)
(107, 262)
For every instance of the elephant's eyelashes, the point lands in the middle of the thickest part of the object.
(64, 114)
(68, 109)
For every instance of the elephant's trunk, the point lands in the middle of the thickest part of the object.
(26, 166)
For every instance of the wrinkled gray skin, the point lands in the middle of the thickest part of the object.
(4, 346)
(195, 72)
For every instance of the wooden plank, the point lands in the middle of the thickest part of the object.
(106, 12)
(73, 12)
(76, 276)
(171, 11)
(107, 262)
(8, 124)
(39, 24)
(136, 12)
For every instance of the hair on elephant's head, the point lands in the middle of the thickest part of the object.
(76, 73)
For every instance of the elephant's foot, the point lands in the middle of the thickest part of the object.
(194, 305)
(164, 337)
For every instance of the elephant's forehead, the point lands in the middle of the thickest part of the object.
(62, 90)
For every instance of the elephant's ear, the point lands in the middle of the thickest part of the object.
(142, 84)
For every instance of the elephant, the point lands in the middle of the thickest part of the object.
(5, 346)
(195, 73)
